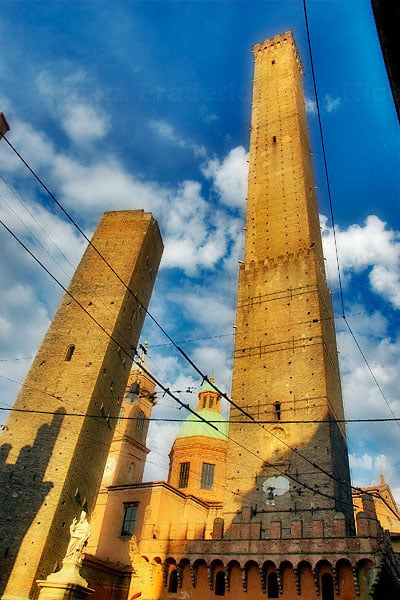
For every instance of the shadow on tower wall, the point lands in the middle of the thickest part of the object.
(23, 491)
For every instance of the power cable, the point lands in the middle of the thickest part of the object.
(370, 370)
(328, 186)
(180, 420)
(111, 337)
(72, 220)
(26, 208)
(180, 350)
(164, 388)
(327, 179)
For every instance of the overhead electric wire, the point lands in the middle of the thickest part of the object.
(194, 366)
(72, 220)
(164, 388)
(170, 339)
(370, 370)
(26, 208)
(328, 186)
(180, 420)
(180, 350)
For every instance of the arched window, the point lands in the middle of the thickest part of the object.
(140, 421)
(173, 582)
(273, 589)
(69, 352)
(220, 584)
(328, 592)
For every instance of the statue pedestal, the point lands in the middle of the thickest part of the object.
(66, 584)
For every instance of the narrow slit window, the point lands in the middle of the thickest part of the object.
(69, 352)
(277, 408)
(121, 415)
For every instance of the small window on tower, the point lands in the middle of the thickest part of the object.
(274, 139)
(211, 402)
(69, 352)
(184, 475)
(277, 408)
(273, 62)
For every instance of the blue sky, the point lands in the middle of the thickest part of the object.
(121, 105)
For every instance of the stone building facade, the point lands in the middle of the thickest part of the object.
(53, 456)
(284, 525)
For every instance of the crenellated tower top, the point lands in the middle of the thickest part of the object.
(272, 46)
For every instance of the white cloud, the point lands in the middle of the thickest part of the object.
(166, 132)
(73, 101)
(373, 445)
(196, 234)
(311, 106)
(328, 104)
(371, 247)
(229, 176)
(83, 124)
(331, 104)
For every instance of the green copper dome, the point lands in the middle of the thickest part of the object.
(190, 427)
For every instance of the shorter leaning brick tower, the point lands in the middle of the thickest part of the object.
(53, 457)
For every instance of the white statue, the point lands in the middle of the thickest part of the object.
(79, 532)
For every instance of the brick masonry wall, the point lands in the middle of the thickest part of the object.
(52, 465)
(285, 361)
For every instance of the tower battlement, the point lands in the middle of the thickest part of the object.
(273, 45)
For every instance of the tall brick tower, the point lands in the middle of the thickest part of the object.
(51, 464)
(285, 361)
